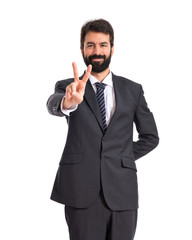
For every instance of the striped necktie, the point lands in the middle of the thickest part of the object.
(101, 102)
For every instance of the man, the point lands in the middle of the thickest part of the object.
(96, 178)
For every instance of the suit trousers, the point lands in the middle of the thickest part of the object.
(99, 222)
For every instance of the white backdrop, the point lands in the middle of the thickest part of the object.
(39, 40)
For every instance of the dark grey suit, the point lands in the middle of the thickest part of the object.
(92, 158)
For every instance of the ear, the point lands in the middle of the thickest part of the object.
(82, 51)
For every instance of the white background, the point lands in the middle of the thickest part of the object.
(39, 40)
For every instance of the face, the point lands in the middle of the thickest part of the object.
(97, 51)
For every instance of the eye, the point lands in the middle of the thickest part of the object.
(103, 45)
(90, 45)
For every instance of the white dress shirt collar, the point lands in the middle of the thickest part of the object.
(108, 80)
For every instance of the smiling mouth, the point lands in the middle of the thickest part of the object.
(97, 59)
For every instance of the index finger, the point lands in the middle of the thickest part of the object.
(86, 76)
(75, 72)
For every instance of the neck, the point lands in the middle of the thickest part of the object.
(102, 75)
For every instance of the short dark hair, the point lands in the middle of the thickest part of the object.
(99, 25)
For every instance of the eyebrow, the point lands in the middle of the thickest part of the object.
(94, 43)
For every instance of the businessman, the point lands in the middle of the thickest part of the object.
(97, 175)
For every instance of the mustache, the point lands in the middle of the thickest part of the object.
(96, 56)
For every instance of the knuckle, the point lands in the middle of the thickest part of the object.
(71, 85)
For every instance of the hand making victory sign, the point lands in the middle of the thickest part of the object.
(75, 91)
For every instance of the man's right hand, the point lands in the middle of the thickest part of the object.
(76, 90)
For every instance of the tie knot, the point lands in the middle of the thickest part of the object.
(100, 85)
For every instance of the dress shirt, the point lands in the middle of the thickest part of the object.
(109, 97)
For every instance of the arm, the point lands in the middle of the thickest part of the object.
(68, 110)
(146, 127)
(54, 101)
(69, 94)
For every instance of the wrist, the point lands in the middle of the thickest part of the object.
(66, 104)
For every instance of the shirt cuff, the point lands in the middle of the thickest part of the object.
(69, 110)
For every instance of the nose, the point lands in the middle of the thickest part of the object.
(96, 50)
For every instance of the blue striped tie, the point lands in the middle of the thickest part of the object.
(101, 102)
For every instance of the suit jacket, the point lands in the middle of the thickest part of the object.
(93, 159)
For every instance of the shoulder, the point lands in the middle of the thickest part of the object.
(125, 82)
(65, 82)
(62, 84)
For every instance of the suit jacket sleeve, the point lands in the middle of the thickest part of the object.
(54, 101)
(146, 127)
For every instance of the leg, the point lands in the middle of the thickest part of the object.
(89, 223)
(123, 225)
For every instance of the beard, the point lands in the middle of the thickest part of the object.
(97, 67)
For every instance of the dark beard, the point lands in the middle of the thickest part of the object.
(98, 67)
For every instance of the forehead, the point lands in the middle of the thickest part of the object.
(97, 37)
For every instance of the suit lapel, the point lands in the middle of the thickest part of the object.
(90, 97)
(117, 90)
